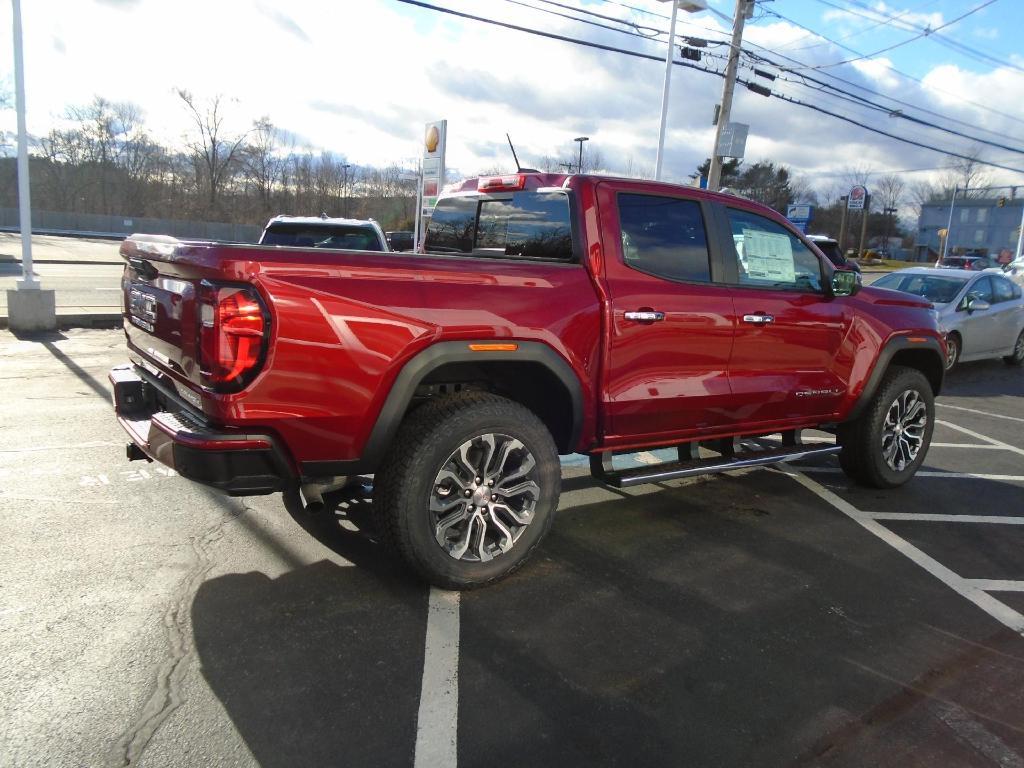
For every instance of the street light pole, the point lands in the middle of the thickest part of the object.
(581, 139)
(690, 6)
(888, 224)
(739, 16)
(28, 280)
(344, 189)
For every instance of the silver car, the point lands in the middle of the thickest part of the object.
(981, 314)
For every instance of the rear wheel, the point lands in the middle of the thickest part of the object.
(886, 444)
(1017, 356)
(468, 489)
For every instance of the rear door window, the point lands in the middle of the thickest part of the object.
(349, 238)
(664, 236)
(770, 256)
(526, 225)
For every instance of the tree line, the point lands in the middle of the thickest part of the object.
(104, 160)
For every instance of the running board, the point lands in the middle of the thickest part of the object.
(733, 456)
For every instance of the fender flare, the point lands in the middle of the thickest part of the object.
(894, 345)
(418, 368)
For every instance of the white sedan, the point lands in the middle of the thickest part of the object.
(981, 313)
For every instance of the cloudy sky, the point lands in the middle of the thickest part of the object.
(360, 77)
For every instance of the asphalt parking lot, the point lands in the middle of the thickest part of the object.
(772, 617)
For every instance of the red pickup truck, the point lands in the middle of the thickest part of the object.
(544, 315)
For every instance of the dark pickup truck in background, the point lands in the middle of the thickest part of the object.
(547, 315)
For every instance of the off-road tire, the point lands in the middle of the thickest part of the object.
(1017, 356)
(405, 481)
(862, 457)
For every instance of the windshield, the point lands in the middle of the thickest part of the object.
(344, 237)
(938, 290)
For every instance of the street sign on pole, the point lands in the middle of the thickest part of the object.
(734, 140)
(800, 214)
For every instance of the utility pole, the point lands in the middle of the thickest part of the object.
(845, 200)
(581, 139)
(888, 225)
(864, 224)
(344, 189)
(739, 16)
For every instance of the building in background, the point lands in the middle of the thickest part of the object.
(984, 226)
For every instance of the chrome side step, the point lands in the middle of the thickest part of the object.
(733, 454)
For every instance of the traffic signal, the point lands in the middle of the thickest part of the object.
(1001, 202)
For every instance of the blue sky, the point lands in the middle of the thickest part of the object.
(360, 79)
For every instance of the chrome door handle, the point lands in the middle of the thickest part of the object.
(758, 319)
(646, 316)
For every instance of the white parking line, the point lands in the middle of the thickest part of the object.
(965, 587)
(979, 436)
(997, 585)
(926, 473)
(928, 517)
(438, 719)
(980, 413)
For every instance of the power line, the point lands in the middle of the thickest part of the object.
(688, 65)
(925, 33)
(879, 23)
(890, 68)
(954, 45)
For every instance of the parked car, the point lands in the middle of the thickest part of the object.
(981, 315)
(547, 314)
(971, 263)
(324, 232)
(830, 247)
(1015, 271)
(400, 241)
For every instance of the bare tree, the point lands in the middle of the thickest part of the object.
(215, 151)
(264, 160)
(969, 174)
(890, 189)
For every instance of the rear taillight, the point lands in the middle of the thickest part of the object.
(232, 335)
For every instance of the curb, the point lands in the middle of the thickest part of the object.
(81, 320)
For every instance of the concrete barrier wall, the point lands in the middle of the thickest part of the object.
(90, 223)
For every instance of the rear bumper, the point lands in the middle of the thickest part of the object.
(238, 463)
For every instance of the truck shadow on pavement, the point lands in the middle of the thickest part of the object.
(741, 625)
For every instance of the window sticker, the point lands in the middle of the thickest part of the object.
(768, 256)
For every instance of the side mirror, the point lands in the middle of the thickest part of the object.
(974, 304)
(845, 282)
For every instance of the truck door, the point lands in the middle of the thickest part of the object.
(670, 329)
(789, 360)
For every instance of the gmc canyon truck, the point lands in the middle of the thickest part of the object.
(544, 315)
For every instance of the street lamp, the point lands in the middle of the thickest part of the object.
(690, 6)
(344, 189)
(581, 139)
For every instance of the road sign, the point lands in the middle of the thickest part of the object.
(800, 214)
(857, 197)
(734, 140)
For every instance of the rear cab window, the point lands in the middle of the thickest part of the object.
(521, 225)
(770, 256)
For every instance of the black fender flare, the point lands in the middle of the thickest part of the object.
(889, 351)
(419, 367)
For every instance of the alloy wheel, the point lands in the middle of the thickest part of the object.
(904, 429)
(483, 498)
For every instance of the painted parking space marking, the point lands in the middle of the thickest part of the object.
(938, 518)
(438, 718)
(997, 585)
(967, 588)
(979, 436)
(980, 413)
(924, 473)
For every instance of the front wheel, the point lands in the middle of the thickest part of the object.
(885, 445)
(1017, 356)
(468, 489)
